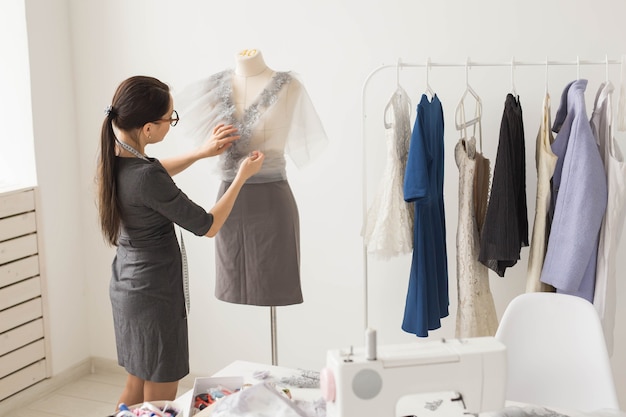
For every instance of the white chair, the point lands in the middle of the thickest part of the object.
(556, 352)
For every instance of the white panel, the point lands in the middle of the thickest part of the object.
(20, 292)
(22, 379)
(20, 314)
(21, 336)
(21, 358)
(21, 247)
(19, 225)
(19, 270)
(20, 202)
(22, 330)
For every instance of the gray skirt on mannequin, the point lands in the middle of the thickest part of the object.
(257, 251)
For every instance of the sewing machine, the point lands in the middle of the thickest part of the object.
(386, 381)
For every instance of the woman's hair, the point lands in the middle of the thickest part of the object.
(137, 101)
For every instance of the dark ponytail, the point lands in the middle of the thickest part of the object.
(138, 100)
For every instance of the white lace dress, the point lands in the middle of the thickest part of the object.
(476, 312)
(388, 228)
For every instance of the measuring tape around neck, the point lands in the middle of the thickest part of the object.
(131, 150)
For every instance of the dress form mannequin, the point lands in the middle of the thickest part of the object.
(257, 252)
(251, 76)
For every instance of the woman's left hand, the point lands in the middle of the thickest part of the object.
(222, 138)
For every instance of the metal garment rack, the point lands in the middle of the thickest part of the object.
(467, 64)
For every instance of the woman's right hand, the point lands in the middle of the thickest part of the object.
(251, 165)
(221, 139)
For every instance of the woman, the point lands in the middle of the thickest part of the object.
(138, 205)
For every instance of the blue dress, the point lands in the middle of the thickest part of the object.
(427, 298)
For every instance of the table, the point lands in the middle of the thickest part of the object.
(247, 370)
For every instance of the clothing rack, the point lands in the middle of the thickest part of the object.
(467, 64)
(512, 62)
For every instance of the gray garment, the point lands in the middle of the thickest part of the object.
(146, 286)
(257, 250)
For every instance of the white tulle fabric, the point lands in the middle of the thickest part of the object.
(282, 119)
(388, 228)
(259, 400)
(476, 312)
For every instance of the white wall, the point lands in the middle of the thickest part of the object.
(58, 178)
(334, 45)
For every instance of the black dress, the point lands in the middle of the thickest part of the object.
(146, 287)
(505, 230)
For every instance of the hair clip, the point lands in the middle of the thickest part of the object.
(108, 110)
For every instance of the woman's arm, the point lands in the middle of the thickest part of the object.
(249, 166)
(220, 140)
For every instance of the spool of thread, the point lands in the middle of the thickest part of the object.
(155, 411)
(370, 344)
(124, 411)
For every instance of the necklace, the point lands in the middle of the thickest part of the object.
(131, 149)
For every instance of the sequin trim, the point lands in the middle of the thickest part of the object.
(240, 148)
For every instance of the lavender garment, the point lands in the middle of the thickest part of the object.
(580, 193)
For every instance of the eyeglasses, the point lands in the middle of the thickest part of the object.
(173, 121)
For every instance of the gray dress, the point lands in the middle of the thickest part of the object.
(146, 286)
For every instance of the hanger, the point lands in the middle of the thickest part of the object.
(399, 90)
(398, 63)
(460, 122)
(429, 90)
(606, 68)
(547, 103)
(546, 75)
(513, 90)
(461, 105)
(577, 67)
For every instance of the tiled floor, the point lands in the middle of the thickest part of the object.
(94, 395)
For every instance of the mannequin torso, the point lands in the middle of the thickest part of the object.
(251, 76)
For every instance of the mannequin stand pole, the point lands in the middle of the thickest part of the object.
(273, 329)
